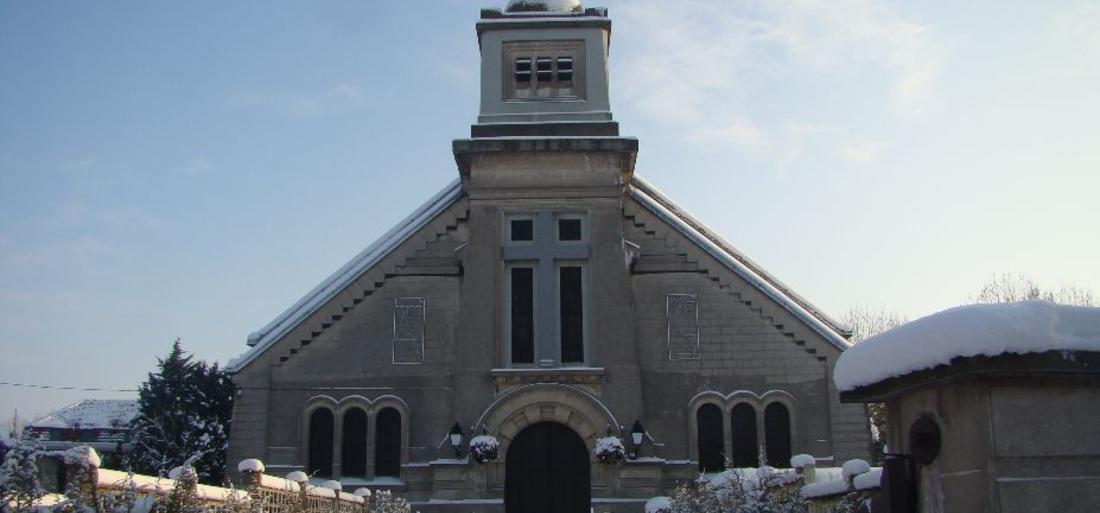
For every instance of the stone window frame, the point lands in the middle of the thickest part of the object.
(424, 316)
(726, 402)
(556, 50)
(339, 408)
(673, 356)
(506, 286)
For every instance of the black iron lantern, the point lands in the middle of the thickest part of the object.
(637, 435)
(456, 439)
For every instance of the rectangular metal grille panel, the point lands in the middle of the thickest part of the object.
(682, 311)
(408, 330)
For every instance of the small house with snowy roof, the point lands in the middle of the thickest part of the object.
(101, 423)
(991, 407)
(547, 298)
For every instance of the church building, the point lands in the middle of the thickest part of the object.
(549, 298)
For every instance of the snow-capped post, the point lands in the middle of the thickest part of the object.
(806, 465)
(335, 486)
(253, 472)
(365, 494)
(82, 470)
(853, 468)
(303, 487)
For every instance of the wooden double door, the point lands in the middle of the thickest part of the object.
(547, 470)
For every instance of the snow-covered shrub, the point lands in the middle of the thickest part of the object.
(484, 448)
(762, 490)
(19, 485)
(384, 501)
(609, 449)
(184, 497)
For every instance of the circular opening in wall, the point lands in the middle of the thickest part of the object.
(924, 440)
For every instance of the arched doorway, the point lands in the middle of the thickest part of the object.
(387, 443)
(777, 435)
(547, 470)
(320, 443)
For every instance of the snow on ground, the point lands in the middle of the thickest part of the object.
(871, 479)
(824, 488)
(971, 330)
(658, 505)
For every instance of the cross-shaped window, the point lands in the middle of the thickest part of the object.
(544, 255)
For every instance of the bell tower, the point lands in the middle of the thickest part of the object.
(544, 70)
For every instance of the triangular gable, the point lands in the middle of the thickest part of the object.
(666, 210)
(267, 336)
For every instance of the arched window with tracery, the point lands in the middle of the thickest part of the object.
(710, 437)
(320, 443)
(387, 447)
(353, 451)
(777, 434)
(745, 448)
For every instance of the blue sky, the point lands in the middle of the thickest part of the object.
(191, 169)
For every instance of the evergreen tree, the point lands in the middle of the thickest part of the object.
(19, 485)
(184, 411)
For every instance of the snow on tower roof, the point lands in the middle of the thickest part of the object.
(964, 331)
(91, 414)
(543, 5)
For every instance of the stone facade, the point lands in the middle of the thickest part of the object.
(1018, 433)
(741, 338)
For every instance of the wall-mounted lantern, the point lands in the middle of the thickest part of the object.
(637, 435)
(456, 439)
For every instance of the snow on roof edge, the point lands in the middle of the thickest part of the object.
(666, 209)
(349, 272)
(966, 331)
(89, 414)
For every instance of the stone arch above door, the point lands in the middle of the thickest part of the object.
(546, 402)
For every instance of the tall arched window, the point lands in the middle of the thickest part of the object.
(777, 434)
(745, 451)
(387, 447)
(320, 443)
(710, 436)
(353, 453)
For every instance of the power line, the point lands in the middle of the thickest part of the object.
(62, 387)
(275, 388)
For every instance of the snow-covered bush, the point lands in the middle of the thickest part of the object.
(762, 490)
(184, 497)
(609, 449)
(19, 485)
(484, 448)
(384, 501)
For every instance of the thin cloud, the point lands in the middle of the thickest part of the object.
(197, 166)
(702, 69)
(862, 152)
(81, 163)
(330, 99)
